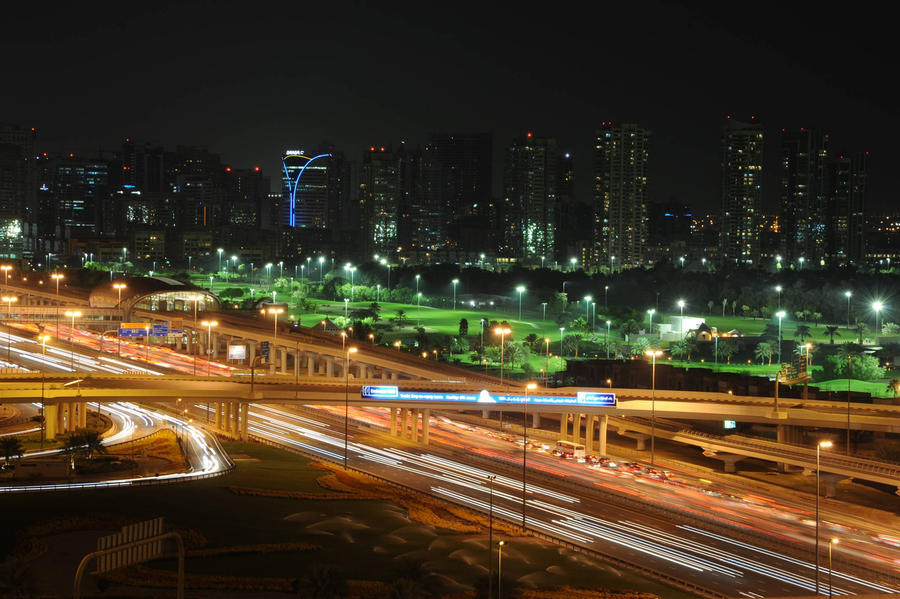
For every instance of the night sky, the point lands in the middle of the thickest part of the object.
(249, 79)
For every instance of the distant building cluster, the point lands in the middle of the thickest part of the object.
(143, 202)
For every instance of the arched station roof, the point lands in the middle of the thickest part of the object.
(140, 288)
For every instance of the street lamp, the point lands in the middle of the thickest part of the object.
(651, 312)
(346, 306)
(491, 478)
(209, 324)
(9, 299)
(384, 262)
(681, 306)
(350, 350)
(73, 314)
(606, 341)
(56, 277)
(520, 290)
(528, 387)
(819, 446)
(119, 287)
(573, 262)
(877, 306)
(848, 295)
(219, 252)
(500, 566)
(780, 314)
(417, 283)
(418, 306)
(502, 331)
(605, 297)
(5, 268)
(275, 312)
(268, 273)
(653, 353)
(832, 543)
(587, 307)
(547, 354)
(543, 310)
(778, 288)
(455, 282)
(561, 330)
(321, 270)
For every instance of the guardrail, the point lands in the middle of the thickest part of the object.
(634, 566)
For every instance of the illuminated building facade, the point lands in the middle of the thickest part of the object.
(802, 222)
(380, 199)
(620, 190)
(742, 165)
(305, 190)
(846, 234)
(529, 201)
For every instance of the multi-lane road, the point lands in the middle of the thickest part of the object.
(716, 536)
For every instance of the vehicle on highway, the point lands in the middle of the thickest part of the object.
(569, 450)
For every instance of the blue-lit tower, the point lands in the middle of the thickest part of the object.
(305, 190)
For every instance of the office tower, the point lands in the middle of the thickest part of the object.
(802, 213)
(529, 201)
(845, 235)
(304, 181)
(145, 167)
(620, 190)
(18, 190)
(379, 200)
(200, 198)
(247, 190)
(78, 192)
(341, 213)
(456, 173)
(742, 164)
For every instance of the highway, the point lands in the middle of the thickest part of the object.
(724, 539)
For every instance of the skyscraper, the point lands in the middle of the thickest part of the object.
(620, 189)
(529, 201)
(379, 200)
(845, 235)
(802, 218)
(18, 189)
(742, 164)
(305, 188)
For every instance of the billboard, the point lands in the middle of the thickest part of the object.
(237, 351)
(582, 398)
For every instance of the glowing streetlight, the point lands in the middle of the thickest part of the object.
(418, 305)
(384, 262)
(819, 447)
(9, 299)
(350, 350)
(520, 290)
(119, 287)
(681, 306)
(561, 331)
(528, 387)
(502, 331)
(321, 269)
(606, 341)
(779, 288)
(587, 303)
(209, 324)
(848, 295)
(651, 312)
(573, 262)
(275, 311)
(6, 268)
(219, 252)
(653, 353)
(830, 545)
(73, 314)
(780, 314)
(605, 297)
(455, 282)
(877, 306)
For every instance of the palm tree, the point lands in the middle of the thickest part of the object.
(764, 351)
(831, 330)
(12, 448)
(630, 328)
(727, 348)
(861, 329)
(802, 332)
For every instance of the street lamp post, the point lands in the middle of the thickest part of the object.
(780, 314)
(73, 314)
(819, 446)
(219, 252)
(6, 268)
(543, 310)
(848, 295)
(587, 308)
(9, 299)
(56, 277)
(520, 290)
(321, 270)
(653, 355)
(651, 312)
(502, 331)
(491, 478)
(418, 307)
(561, 331)
(350, 350)
(275, 312)
(605, 297)
(830, 545)
(778, 288)
(606, 341)
(877, 306)
(529, 386)
(500, 567)
(455, 282)
(681, 307)
(209, 324)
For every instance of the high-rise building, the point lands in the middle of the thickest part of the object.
(18, 189)
(456, 180)
(78, 190)
(802, 218)
(620, 195)
(529, 200)
(305, 188)
(742, 164)
(379, 200)
(845, 235)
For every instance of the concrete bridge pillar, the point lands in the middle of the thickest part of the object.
(297, 359)
(62, 413)
(329, 366)
(601, 441)
(788, 433)
(82, 414)
(393, 422)
(576, 427)
(310, 364)
(426, 416)
(251, 351)
(535, 420)
(51, 420)
(229, 415)
(564, 426)
(728, 459)
(244, 420)
(217, 406)
(589, 433)
(393, 375)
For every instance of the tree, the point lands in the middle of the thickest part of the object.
(570, 344)
(802, 332)
(463, 327)
(831, 330)
(640, 345)
(861, 329)
(579, 324)
(894, 387)
(630, 328)
(400, 318)
(890, 329)
(724, 305)
(709, 306)
(12, 448)
(727, 348)
(682, 349)
(764, 351)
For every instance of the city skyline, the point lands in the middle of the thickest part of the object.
(228, 85)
